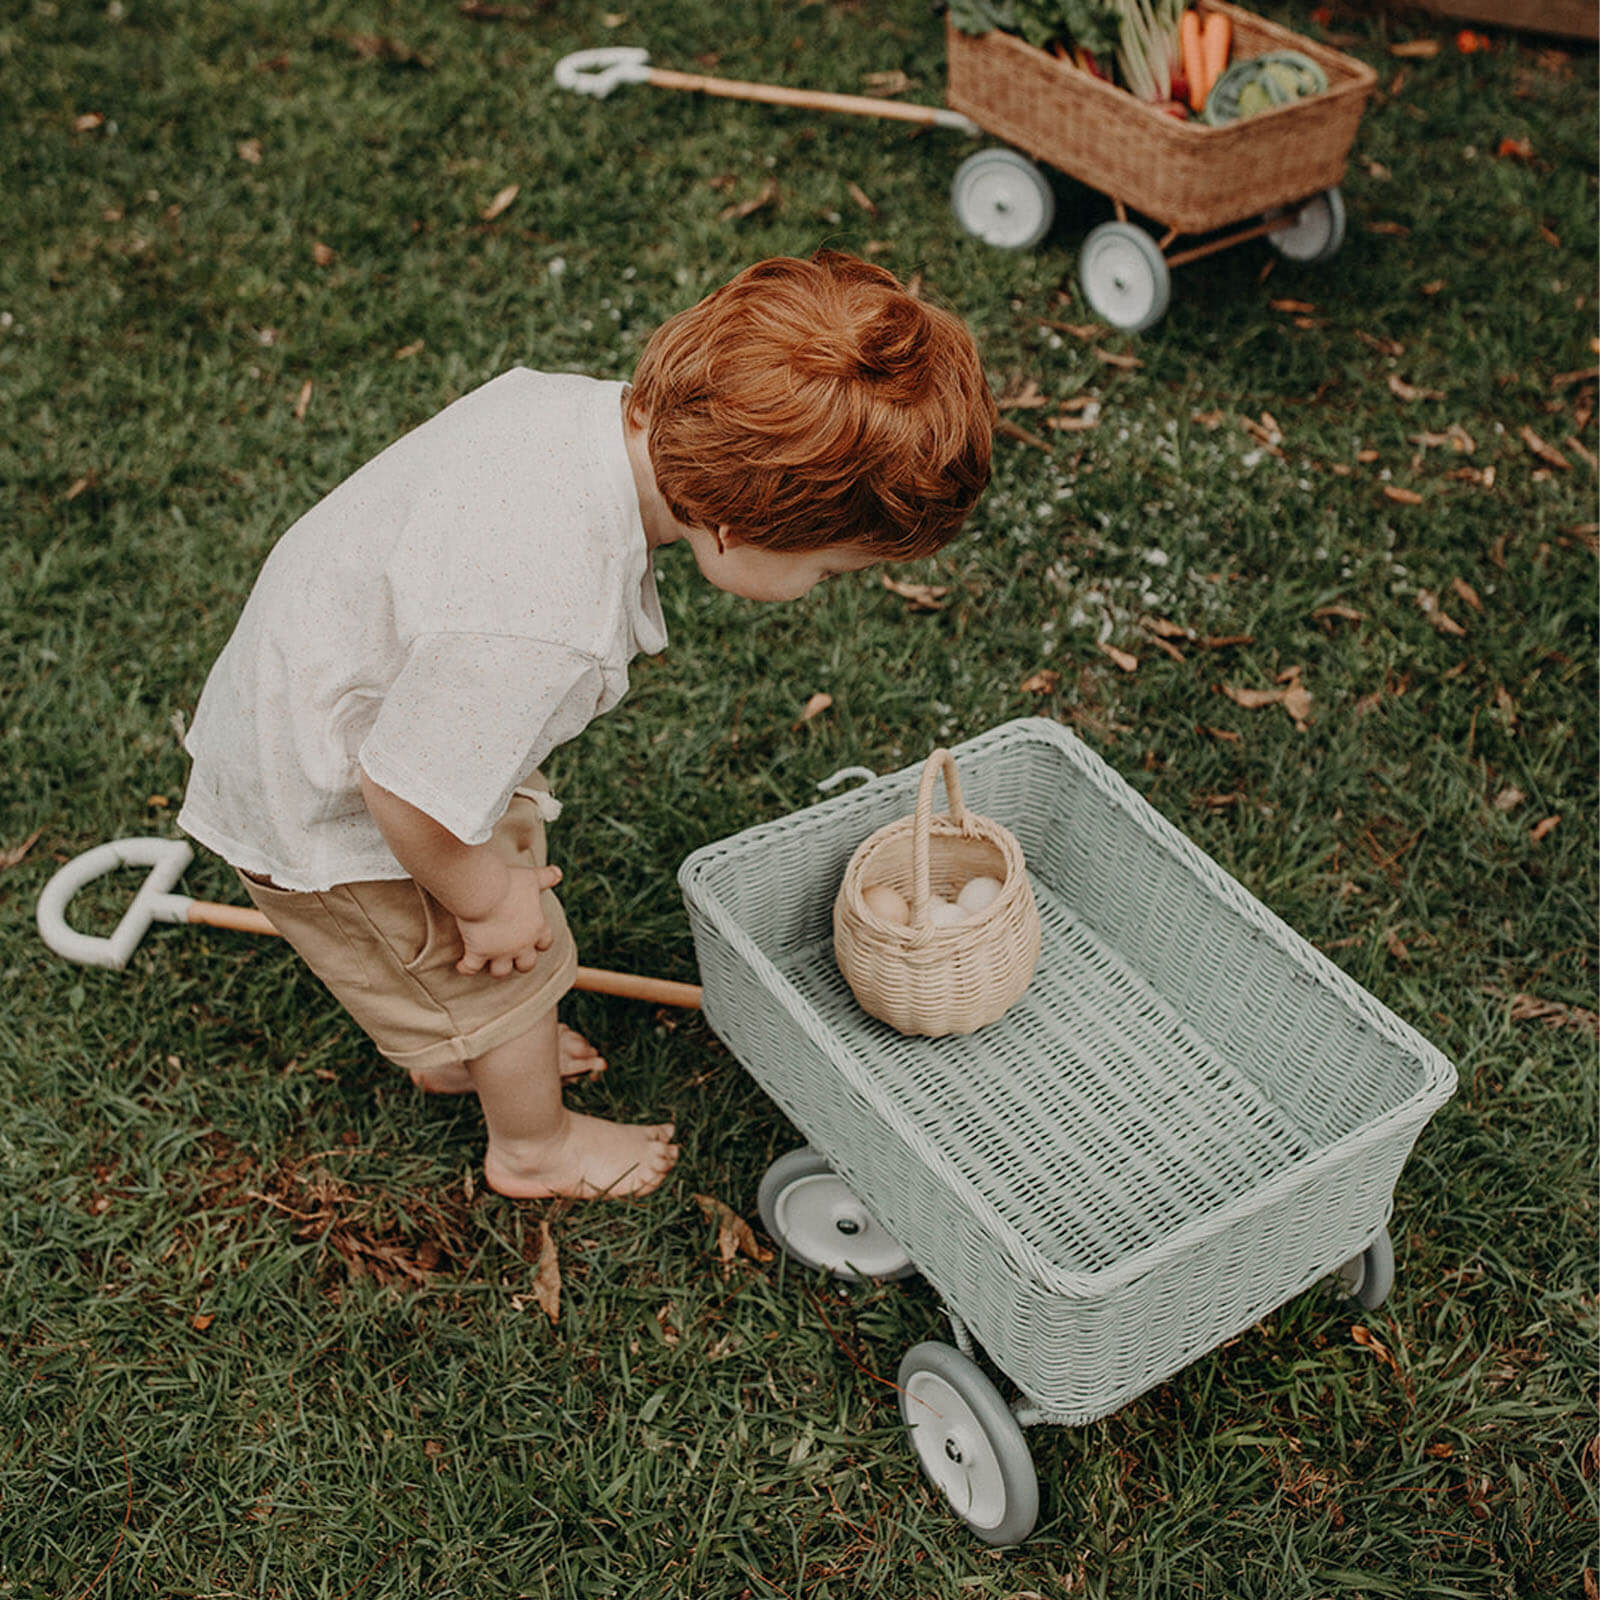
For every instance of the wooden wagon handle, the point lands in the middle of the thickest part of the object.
(592, 980)
(598, 72)
(165, 860)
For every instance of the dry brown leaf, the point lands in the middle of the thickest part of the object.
(861, 198)
(1224, 641)
(1163, 629)
(1433, 286)
(379, 47)
(1403, 497)
(1337, 613)
(1415, 49)
(767, 197)
(1045, 681)
(1022, 394)
(1266, 431)
(1582, 452)
(1515, 149)
(814, 707)
(323, 254)
(415, 348)
(1530, 1008)
(1128, 663)
(249, 150)
(921, 596)
(1085, 331)
(1395, 230)
(1117, 358)
(735, 1237)
(1209, 420)
(886, 85)
(1385, 347)
(547, 1276)
(1543, 830)
(1368, 1340)
(202, 1320)
(1443, 622)
(88, 121)
(501, 202)
(13, 854)
(1297, 702)
(1013, 430)
(1466, 592)
(1563, 380)
(303, 401)
(77, 487)
(1227, 734)
(1083, 422)
(1252, 699)
(1508, 799)
(1410, 391)
(1303, 306)
(1545, 452)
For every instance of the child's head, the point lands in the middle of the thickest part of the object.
(809, 404)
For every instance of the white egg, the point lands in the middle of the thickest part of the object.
(886, 904)
(941, 913)
(978, 894)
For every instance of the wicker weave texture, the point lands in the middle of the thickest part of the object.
(1188, 175)
(1188, 1117)
(925, 978)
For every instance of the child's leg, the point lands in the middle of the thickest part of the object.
(579, 1059)
(538, 1148)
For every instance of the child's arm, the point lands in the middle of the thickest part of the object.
(496, 905)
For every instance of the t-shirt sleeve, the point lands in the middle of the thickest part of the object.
(468, 719)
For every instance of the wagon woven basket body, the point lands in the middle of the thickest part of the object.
(1190, 176)
(1190, 1116)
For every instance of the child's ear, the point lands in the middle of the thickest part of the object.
(724, 533)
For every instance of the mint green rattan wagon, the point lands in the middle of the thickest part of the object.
(1189, 1117)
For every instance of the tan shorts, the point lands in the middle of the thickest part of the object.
(388, 952)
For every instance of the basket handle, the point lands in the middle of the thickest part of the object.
(921, 887)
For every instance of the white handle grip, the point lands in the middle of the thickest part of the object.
(598, 72)
(166, 859)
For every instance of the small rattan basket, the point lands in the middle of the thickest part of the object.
(933, 979)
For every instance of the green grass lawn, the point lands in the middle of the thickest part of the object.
(264, 1333)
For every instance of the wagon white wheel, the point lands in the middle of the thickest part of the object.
(1369, 1277)
(970, 1445)
(1124, 276)
(1002, 198)
(816, 1218)
(1313, 230)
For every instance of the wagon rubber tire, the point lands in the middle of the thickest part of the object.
(816, 1219)
(970, 1445)
(1317, 231)
(1368, 1277)
(1124, 276)
(1003, 198)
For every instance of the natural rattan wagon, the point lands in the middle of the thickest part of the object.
(1189, 1117)
(1274, 175)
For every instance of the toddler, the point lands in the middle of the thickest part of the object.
(366, 748)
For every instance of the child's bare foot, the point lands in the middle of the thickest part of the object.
(589, 1157)
(579, 1059)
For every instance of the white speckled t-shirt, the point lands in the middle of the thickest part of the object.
(464, 603)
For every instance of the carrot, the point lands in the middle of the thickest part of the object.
(1216, 39)
(1193, 63)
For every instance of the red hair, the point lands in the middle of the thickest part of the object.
(812, 403)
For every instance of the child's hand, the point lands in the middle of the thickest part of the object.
(510, 937)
